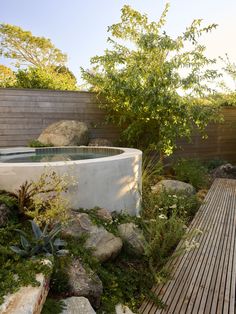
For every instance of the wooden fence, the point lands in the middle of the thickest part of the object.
(24, 113)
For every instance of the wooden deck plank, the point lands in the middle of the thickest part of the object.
(195, 270)
(199, 221)
(204, 279)
(186, 258)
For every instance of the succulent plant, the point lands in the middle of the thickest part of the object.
(44, 242)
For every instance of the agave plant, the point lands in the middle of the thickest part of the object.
(44, 242)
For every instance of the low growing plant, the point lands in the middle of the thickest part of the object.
(191, 171)
(37, 143)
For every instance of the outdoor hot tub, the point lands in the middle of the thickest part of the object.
(105, 177)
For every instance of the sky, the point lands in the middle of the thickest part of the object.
(79, 27)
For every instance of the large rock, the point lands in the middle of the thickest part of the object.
(77, 305)
(5, 214)
(133, 236)
(104, 244)
(84, 283)
(173, 186)
(100, 142)
(28, 300)
(224, 171)
(65, 133)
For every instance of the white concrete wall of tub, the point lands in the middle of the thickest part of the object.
(113, 182)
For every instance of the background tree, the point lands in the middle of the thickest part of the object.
(7, 77)
(27, 49)
(40, 64)
(141, 79)
(45, 78)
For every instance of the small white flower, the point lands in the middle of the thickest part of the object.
(162, 216)
(173, 206)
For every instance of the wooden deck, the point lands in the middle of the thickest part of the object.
(203, 280)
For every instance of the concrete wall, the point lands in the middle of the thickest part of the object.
(24, 113)
(112, 182)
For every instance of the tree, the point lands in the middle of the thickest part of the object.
(27, 49)
(152, 82)
(7, 77)
(45, 78)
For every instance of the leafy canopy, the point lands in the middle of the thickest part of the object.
(7, 77)
(45, 78)
(152, 82)
(27, 49)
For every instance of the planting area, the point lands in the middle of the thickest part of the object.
(107, 257)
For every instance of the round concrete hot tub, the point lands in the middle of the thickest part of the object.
(105, 177)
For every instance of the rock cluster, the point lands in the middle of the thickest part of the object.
(224, 171)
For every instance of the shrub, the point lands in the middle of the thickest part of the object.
(43, 200)
(191, 171)
(36, 143)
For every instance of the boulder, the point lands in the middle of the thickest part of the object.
(224, 171)
(84, 283)
(65, 133)
(5, 214)
(77, 305)
(104, 214)
(100, 142)
(104, 244)
(133, 236)
(173, 186)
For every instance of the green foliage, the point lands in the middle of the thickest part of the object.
(127, 281)
(7, 77)
(27, 49)
(53, 306)
(42, 200)
(192, 171)
(9, 200)
(163, 235)
(15, 271)
(143, 84)
(214, 163)
(45, 78)
(36, 143)
(44, 242)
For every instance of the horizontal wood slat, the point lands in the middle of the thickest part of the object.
(22, 109)
(203, 280)
(25, 113)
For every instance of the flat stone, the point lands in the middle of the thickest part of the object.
(173, 186)
(133, 236)
(27, 300)
(123, 309)
(84, 282)
(77, 305)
